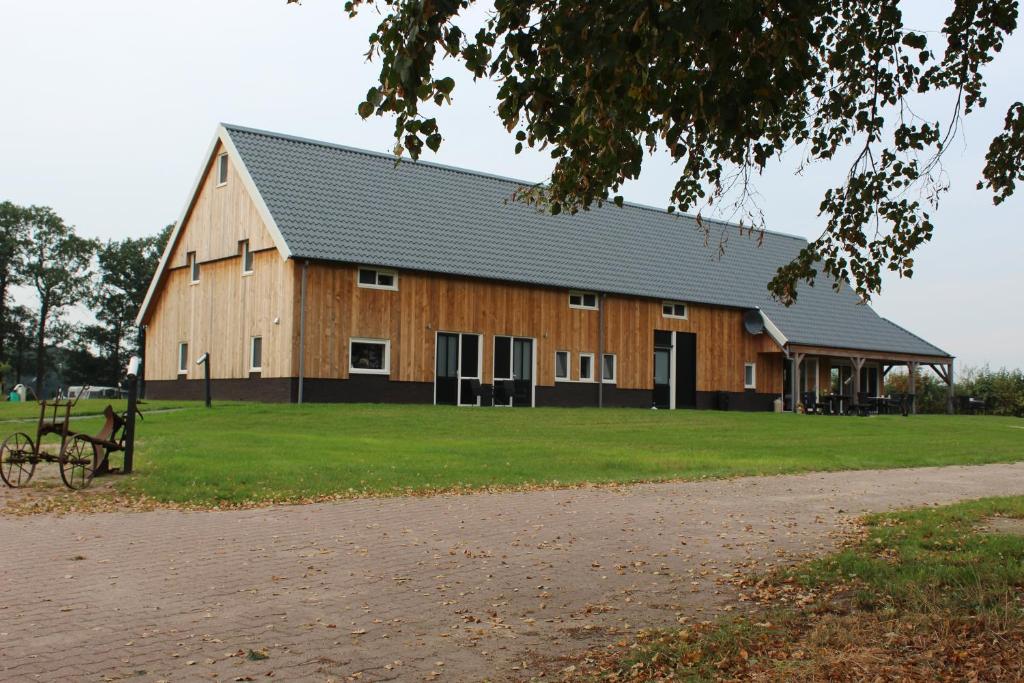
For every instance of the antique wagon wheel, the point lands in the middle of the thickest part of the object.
(77, 462)
(17, 460)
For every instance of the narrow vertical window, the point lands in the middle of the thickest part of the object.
(183, 358)
(256, 354)
(561, 365)
(750, 376)
(193, 267)
(608, 368)
(586, 367)
(246, 258)
(222, 170)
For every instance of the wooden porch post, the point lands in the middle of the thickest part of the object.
(798, 358)
(949, 381)
(857, 364)
(912, 385)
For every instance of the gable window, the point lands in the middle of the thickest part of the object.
(369, 356)
(246, 258)
(561, 365)
(673, 309)
(376, 278)
(193, 267)
(222, 170)
(608, 368)
(586, 367)
(586, 300)
(750, 376)
(256, 354)
(183, 358)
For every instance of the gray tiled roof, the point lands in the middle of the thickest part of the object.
(336, 203)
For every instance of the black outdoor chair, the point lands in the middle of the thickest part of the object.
(813, 405)
(470, 390)
(968, 405)
(504, 390)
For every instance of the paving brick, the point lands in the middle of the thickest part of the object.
(391, 587)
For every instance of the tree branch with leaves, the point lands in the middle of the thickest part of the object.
(725, 88)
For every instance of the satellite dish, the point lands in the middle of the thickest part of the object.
(753, 322)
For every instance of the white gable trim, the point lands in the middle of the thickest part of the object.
(773, 331)
(222, 136)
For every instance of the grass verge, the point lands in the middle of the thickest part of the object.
(924, 595)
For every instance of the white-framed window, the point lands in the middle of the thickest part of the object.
(586, 300)
(247, 258)
(369, 356)
(183, 358)
(222, 170)
(608, 368)
(586, 367)
(256, 354)
(674, 309)
(750, 375)
(193, 268)
(561, 366)
(377, 278)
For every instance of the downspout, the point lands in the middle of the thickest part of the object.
(302, 330)
(600, 352)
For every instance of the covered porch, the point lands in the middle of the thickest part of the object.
(850, 381)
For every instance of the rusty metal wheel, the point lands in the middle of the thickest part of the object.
(77, 462)
(17, 460)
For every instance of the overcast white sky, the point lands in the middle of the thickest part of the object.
(108, 107)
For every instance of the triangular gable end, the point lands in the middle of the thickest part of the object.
(221, 138)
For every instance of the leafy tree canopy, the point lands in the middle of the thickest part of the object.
(724, 87)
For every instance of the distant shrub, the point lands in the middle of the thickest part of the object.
(1002, 390)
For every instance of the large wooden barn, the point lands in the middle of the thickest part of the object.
(314, 272)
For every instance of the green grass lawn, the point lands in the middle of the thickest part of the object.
(933, 594)
(237, 453)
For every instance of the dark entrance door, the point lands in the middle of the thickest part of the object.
(513, 371)
(446, 377)
(457, 372)
(522, 371)
(662, 369)
(686, 370)
(787, 384)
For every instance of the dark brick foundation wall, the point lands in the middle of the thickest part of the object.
(749, 401)
(366, 389)
(584, 394)
(270, 390)
(380, 389)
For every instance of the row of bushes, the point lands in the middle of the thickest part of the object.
(1002, 390)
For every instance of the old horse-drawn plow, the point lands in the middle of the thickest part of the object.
(81, 455)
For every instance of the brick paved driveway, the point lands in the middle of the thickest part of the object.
(446, 588)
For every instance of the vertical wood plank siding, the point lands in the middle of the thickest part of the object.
(337, 309)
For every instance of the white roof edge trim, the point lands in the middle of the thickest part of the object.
(250, 185)
(773, 331)
(224, 137)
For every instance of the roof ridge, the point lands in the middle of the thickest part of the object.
(482, 174)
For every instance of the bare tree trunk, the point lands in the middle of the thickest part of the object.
(3, 317)
(44, 312)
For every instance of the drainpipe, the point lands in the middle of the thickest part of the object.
(600, 351)
(302, 330)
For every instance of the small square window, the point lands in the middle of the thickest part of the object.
(561, 365)
(193, 267)
(583, 300)
(750, 376)
(183, 358)
(222, 170)
(608, 368)
(369, 356)
(586, 367)
(673, 309)
(247, 258)
(374, 278)
(256, 354)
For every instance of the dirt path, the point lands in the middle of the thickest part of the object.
(447, 588)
